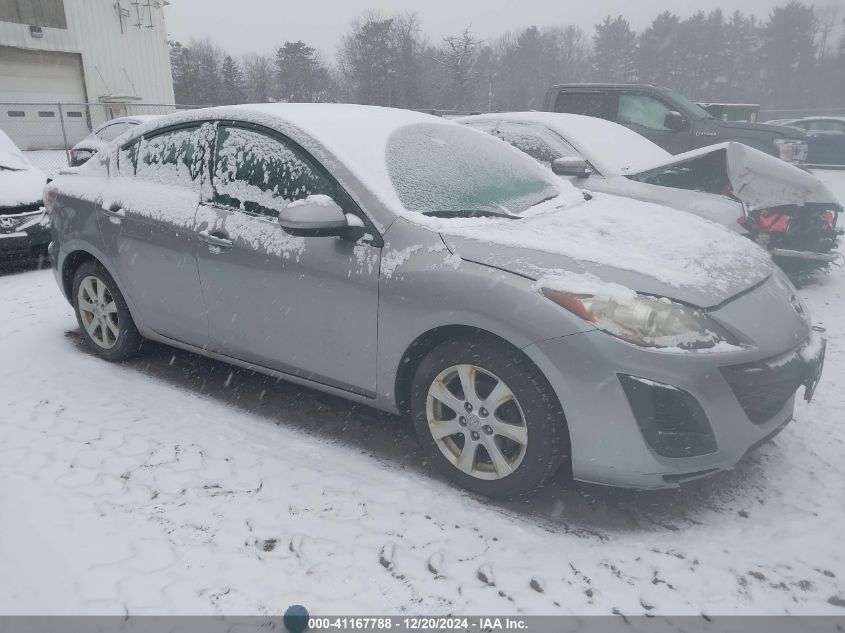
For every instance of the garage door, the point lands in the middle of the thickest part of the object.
(43, 79)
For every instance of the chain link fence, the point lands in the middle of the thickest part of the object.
(47, 131)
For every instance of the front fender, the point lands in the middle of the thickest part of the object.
(429, 288)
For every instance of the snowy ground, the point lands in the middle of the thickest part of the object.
(168, 485)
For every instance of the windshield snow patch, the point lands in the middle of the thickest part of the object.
(441, 168)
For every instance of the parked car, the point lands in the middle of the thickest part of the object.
(671, 120)
(417, 266)
(24, 231)
(82, 152)
(785, 209)
(825, 138)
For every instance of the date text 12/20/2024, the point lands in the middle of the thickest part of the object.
(480, 624)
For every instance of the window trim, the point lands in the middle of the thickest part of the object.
(353, 207)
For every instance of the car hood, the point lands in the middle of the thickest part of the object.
(21, 187)
(759, 180)
(644, 247)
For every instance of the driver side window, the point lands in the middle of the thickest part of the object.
(261, 175)
(642, 109)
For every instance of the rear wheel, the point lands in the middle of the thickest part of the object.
(487, 418)
(103, 315)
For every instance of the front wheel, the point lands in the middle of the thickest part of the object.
(487, 418)
(103, 315)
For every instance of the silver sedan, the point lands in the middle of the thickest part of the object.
(424, 268)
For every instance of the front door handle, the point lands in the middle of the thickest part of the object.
(217, 239)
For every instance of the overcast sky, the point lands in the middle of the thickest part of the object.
(243, 26)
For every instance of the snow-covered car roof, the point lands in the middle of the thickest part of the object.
(354, 137)
(611, 148)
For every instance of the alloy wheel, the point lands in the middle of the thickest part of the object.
(98, 312)
(476, 421)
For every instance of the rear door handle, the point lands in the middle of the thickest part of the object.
(216, 239)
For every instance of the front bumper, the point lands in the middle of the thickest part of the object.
(742, 398)
(23, 236)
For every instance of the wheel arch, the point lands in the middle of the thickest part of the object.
(71, 262)
(427, 341)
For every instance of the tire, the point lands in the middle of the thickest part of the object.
(107, 327)
(533, 415)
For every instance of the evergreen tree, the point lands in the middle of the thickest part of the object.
(615, 51)
(741, 61)
(367, 61)
(232, 82)
(300, 72)
(658, 58)
(788, 55)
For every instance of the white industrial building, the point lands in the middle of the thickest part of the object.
(58, 55)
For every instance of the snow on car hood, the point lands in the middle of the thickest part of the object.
(759, 180)
(20, 187)
(645, 247)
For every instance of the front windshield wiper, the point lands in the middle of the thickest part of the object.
(546, 199)
(470, 213)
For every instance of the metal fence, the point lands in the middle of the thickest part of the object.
(46, 131)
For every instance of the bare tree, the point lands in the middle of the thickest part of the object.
(457, 56)
(258, 78)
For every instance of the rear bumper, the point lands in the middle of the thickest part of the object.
(634, 438)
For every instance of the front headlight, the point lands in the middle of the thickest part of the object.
(647, 321)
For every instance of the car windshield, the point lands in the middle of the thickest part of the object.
(694, 109)
(439, 169)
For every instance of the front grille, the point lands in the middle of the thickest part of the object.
(764, 388)
(671, 420)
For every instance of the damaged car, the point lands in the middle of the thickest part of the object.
(411, 264)
(785, 209)
(24, 226)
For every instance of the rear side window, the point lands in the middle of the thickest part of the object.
(174, 158)
(112, 131)
(261, 174)
(586, 103)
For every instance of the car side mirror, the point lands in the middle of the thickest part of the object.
(571, 166)
(318, 216)
(674, 121)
